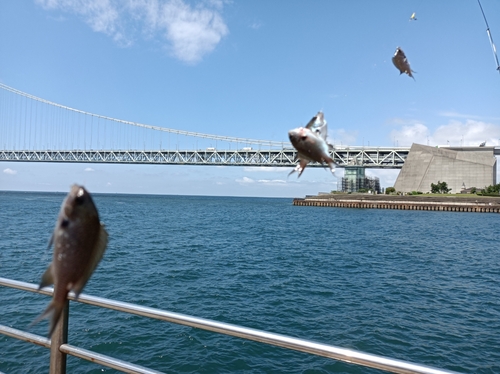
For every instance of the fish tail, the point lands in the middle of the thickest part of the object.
(53, 311)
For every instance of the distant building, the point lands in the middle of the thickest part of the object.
(354, 179)
(457, 166)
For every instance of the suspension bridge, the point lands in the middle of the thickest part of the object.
(37, 130)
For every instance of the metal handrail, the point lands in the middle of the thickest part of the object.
(302, 345)
(94, 357)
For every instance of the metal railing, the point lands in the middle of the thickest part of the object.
(60, 348)
(378, 158)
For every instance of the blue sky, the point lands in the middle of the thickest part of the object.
(253, 69)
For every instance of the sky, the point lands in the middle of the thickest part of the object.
(253, 69)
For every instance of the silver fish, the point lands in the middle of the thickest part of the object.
(79, 240)
(311, 145)
(401, 63)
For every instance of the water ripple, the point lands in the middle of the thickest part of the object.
(412, 285)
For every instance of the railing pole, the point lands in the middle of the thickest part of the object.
(59, 337)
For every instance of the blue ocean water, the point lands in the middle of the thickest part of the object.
(413, 285)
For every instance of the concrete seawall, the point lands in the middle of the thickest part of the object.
(447, 204)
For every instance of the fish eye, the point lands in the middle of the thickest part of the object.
(65, 223)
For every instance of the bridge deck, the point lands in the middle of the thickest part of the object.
(392, 158)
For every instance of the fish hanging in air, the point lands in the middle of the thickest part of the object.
(413, 17)
(401, 63)
(311, 145)
(79, 240)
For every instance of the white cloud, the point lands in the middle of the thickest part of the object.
(10, 171)
(452, 114)
(255, 25)
(88, 169)
(101, 15)
(408, 134)
(265, 169)
(190, 32)
(387, 176)
(268, 182)
(245, 180)
(342, 137)
(271, 181)
(455, 133)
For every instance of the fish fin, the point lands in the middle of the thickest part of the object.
(332, 167)
(297, 168)
(323, 130)
(53, 311)
(102, 242)
(98, 252)
(331, 164)
(47, 278)
(51, 241)
(302, 166)
(311, 122)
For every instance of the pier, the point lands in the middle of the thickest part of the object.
(478, 204)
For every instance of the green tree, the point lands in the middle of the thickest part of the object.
(492, 189)
(390, 190)
(440, 187)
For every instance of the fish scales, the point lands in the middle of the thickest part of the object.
(79, 241)
(311, 144)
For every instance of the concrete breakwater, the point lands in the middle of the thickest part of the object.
(477, 204)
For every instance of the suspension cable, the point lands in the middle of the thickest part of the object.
(490, 37)
(157, 128)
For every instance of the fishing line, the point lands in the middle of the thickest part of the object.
(489, 36)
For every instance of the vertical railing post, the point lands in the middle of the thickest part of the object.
(59, 337)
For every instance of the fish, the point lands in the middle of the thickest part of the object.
(401, 63)
(317, 124)
(311, 144)
(79, 241)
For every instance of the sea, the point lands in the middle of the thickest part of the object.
(418, 286)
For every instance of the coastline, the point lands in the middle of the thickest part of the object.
(471, 203)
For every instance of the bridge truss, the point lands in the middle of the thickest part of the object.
(37, 130)
(367, 157)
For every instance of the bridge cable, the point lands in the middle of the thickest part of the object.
(490, 37)
(157, 128)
